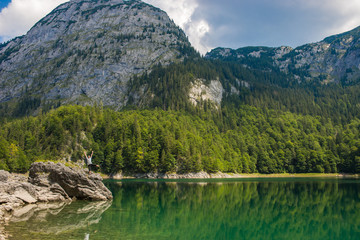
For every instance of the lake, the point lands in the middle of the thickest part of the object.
(283, 208)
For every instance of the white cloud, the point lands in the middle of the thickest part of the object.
(196, 31)
(20, 15)
(349, 12)
(181, 11)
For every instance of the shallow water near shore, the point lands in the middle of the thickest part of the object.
(262, 208)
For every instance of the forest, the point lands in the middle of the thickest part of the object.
(273, 124)
(134, 141)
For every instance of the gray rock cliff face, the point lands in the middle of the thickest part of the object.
(86, 51)
(201, 92)
(333, 59)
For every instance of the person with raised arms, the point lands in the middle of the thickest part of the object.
(89, 161)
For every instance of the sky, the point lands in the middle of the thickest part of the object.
(225, 23)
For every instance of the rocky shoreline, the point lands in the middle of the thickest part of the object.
(219, 175)
(47, 183)
(198, 175)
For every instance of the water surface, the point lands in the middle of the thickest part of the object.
(216, 209)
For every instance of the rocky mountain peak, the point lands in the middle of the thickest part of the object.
(86, 51)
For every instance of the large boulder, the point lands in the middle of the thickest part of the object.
(16, 191)
(74, 182)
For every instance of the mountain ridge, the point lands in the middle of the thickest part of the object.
(333, 59)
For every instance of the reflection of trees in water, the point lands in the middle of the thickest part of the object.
(273, 209)
(56, 218)
(242, 210)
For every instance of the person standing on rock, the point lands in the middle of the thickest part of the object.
(89, 161)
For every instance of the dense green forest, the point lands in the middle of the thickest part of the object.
(245, 140)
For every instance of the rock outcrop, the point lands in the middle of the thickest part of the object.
(199, 92)
(48, 182)
(68, 182)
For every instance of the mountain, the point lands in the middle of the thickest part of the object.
(126, 53)
(255, 109)
(86, 51)
(335, 59)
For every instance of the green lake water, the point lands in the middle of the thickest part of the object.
(217, 209)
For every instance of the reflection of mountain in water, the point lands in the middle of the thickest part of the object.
(56, 218)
